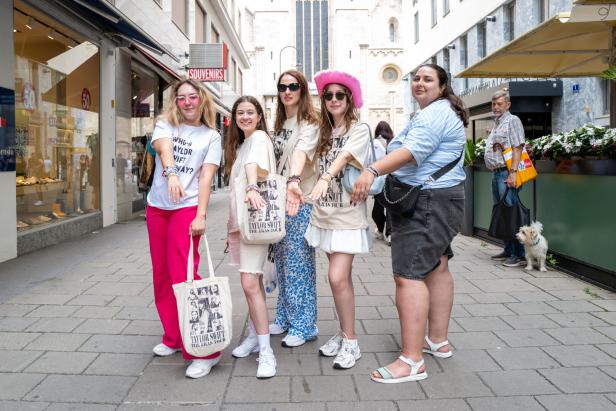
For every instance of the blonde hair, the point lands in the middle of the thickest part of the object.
(173, 114)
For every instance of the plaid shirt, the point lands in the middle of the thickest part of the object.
(509, 132)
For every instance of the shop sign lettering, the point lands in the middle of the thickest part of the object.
(207, 74)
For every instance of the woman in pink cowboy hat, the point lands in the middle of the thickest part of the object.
(336, 226)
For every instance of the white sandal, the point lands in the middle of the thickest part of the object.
(388, 378)
(434, 349)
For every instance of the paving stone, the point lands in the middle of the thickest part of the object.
(333, 326)
(384, 288)
(577, 294)
(363, 367)
(14, 361)
(608, 348)
(132, 301)
(14, 386)
(366, 313)
(15, 323)
(467, 361)
(580, 380)
(493, 298)
(458, 311)
(306, 406)
(434, 405)
(577, 320)
(59, 406)
(52, 311)
(528, 296)
(458, 385)
(609, 318)
(307, 388)
(561, 402)
(41, 299)
(557, 284)
(98, 300)
(487, 310)
(373, 300)
(369, 390)
(483, 324)
(287, 364)
(362, 406)
(51, 325)
(466, 287)
(578, 306)
(62, 362)
(463, 298)
(608, 331)
(504, 285)
(58, 342)
(138, 313)
(475, 340)
(96, 312)
(579, 356)
(116, 288)
(382, 326)
(142, 327)
(101, 326)
(522, 358)
(16, 310)
(16, 341)
(182, 406)
(119, 364)
(608, 305)
(126, 344)
(250, 389)
(523, 322)
(82, 388)
(517, 382)
(167, 384)
(505, 404)
(609, 370)
(582, 335)
(526, 338)
(534, 307)
(23, 406)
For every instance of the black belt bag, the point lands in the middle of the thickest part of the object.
(401, 198)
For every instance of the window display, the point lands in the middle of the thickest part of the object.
(56, 122)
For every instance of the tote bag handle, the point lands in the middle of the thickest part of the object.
(190, 268)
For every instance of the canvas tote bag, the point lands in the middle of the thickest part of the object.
(204, 309)
(265, 226)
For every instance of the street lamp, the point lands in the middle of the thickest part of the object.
(280, 58)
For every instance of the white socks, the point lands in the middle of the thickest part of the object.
(264, 342)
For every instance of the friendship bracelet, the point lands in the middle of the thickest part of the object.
(294, 179)
(373, 171)
(252, 187)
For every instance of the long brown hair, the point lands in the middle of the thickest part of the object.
(235, 136)
(326, 124)
(305, 110)
(456, 102)
(173, 114)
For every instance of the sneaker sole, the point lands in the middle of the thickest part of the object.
(284, 344)
(254, 351)
(322, 354)
(514, 265)
(340, 367)
(262, 377)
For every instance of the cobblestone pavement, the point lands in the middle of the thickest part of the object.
(77, 326)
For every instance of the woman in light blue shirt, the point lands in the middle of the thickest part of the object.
(421, 244)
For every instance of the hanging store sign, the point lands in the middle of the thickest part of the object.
(207, 74)
(207, 61)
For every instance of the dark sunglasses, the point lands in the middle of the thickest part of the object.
(283, 87)
(340, 96)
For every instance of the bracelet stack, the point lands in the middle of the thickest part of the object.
(294, 179)
(252, 187)
(373, 170)
(170, 171)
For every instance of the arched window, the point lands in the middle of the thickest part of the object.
(393, 30)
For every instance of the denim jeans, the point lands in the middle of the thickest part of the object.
(512, 247)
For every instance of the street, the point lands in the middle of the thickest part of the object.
(78, 323)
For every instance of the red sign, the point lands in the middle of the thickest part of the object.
(207, 74)
(86, 99)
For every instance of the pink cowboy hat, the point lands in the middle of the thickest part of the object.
(325, 77)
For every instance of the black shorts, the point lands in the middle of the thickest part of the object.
(417, 243)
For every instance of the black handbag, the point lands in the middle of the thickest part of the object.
(507, 219)
(401, 198)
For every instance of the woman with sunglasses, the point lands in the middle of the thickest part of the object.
(249, 147)
(428, 153)
(337, 226)
(188, 153)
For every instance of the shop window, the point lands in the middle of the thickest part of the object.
(57, 97)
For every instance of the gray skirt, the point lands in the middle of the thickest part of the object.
(418, 242)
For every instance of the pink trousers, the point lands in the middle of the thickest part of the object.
(168, 231)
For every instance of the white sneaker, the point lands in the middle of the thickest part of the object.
(163, 351)
(201, 368)
(275, 329)
(378, 234)
(248, 346)
(267, 363)
(292, 341)
(332, 346)
(38, 203)
(348, 354)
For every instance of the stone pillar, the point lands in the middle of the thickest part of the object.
(107, 132)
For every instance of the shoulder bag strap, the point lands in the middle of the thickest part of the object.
(289, 149)
(444, 170)
(190, 268)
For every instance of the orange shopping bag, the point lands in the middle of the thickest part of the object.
(526, 169)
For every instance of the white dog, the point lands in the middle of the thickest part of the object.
(535, 245)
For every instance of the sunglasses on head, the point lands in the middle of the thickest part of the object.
(340, 96)
(184, 99)
(283, 87)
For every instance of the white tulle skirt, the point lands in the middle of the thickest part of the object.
(356, 241)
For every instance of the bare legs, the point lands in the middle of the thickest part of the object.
(341, 283)
(420, 303)
(255, 297)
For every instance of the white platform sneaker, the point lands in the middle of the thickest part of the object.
(267, 363)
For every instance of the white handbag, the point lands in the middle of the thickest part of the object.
(204, 309)
(265, 226)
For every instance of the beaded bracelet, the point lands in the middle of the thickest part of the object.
(252, 187)
(294, 179)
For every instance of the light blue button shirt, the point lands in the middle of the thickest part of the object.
(435, 137)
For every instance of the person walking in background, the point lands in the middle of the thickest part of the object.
(295, 143)
(188, 152)
(508, 132)
(384, 135)
(431, 144)
(249, 147)
(337, 226)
